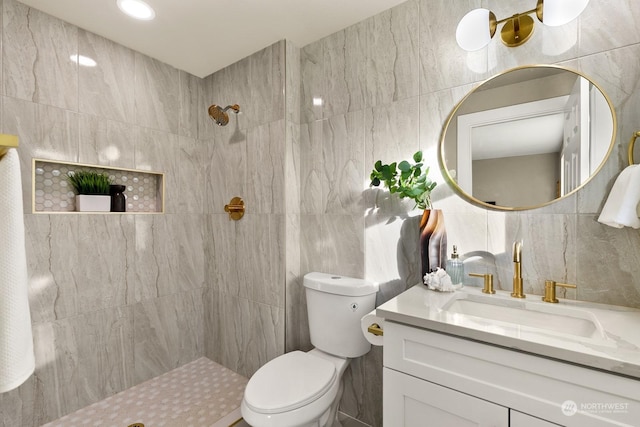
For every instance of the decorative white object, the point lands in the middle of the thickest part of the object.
(440, 280)
(93, 203)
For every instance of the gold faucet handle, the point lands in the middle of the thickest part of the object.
(488, 282)
(235, 208)
(550, 290)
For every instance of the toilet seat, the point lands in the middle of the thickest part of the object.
(289, 382)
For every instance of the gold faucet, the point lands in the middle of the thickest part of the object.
(550, 290)
(488, 282)
(517, 271)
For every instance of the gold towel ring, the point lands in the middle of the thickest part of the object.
(631, 144)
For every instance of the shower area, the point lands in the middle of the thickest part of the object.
(120, 299)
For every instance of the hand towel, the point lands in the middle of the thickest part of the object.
(17, 361)
(620, 209)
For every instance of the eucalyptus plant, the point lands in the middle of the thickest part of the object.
(407, 180)
(89, 182)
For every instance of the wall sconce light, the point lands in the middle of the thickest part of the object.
(477, 28)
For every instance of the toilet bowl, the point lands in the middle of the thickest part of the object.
(295, 389)
(301, 389)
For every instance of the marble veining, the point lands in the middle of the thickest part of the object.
(393, 54)
(597, 36)
(343, 150)
(437, 41)
(344, 56)
(105, 142)
(96, 347)
(313, 84)
(190, 93)
(169, 333)
(108, 89)
(264, 185)
(100, 285)
(40, 46)
(192, 166)
(311, 164)
(160, 151)
(50, 244)
(156, 94)
(267, 70)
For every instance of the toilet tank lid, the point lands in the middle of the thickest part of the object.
(340, 285)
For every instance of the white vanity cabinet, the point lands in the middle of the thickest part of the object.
(413, 402)
(435, 379)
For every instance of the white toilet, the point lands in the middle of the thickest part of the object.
(301, 389)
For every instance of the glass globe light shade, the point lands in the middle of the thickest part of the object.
(476, 29)
(560, 12)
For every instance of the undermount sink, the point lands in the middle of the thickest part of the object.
(531, 314)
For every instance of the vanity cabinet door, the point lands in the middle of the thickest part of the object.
(412, 402)
(518, 419)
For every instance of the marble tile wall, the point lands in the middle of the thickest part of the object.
(388, 84)
(115, 299)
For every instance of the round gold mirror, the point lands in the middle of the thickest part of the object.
(527, 137)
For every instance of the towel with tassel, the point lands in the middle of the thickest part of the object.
(17, 361)
(620, 209)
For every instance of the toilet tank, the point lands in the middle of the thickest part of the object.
(335, 305)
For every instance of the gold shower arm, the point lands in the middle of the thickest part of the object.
(631, 144)
(6, 142)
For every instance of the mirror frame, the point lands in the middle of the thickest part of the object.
(468, 197)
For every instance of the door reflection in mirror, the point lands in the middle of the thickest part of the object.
(527, 137)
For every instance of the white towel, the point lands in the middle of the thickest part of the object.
(620, 210)
(17, 361)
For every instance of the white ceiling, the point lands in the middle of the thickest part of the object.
(203, 36)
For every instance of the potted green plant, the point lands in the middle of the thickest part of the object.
(92, 190)
(407, 180)
(411, 180)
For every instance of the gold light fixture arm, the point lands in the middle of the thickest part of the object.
(7, 142)
(517, 28)
(528, 12)
(235, 208)
(631, 144)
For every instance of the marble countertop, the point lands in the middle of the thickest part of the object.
(614, 345)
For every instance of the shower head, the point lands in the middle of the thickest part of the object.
(219, 114)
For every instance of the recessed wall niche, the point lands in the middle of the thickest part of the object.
(52, 193)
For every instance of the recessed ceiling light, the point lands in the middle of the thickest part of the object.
(85, 61)
(137, 9)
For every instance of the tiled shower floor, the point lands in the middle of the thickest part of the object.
(198, 394)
